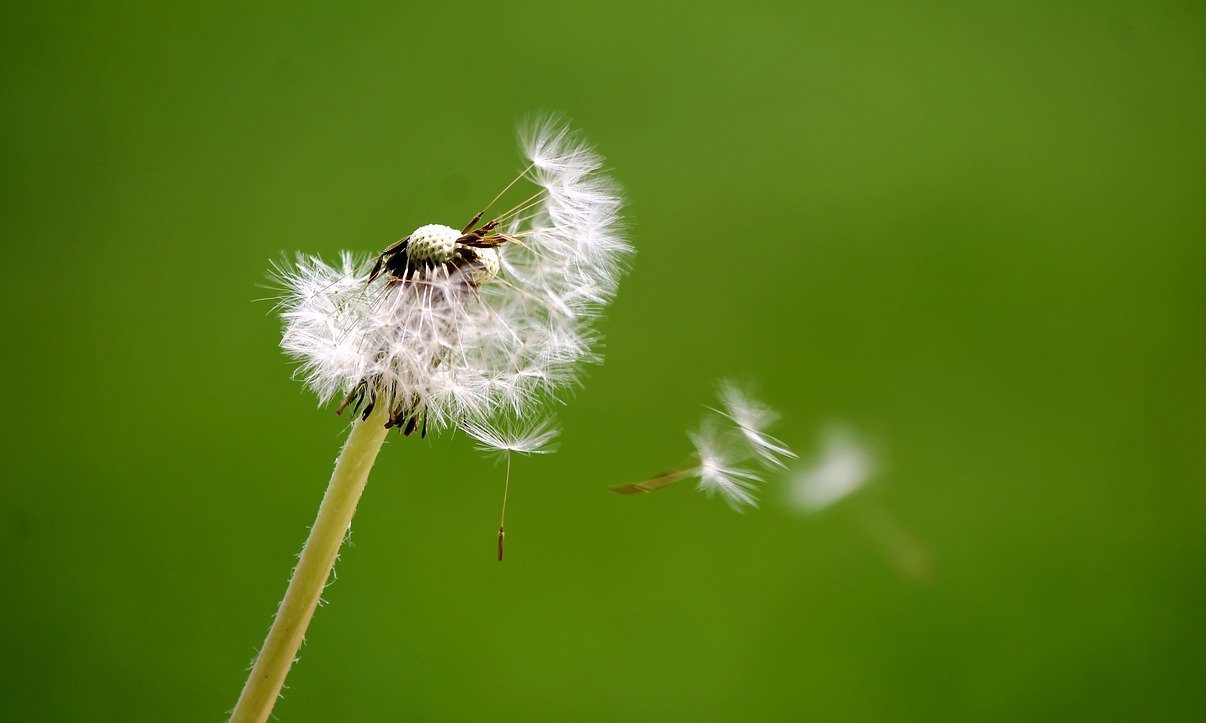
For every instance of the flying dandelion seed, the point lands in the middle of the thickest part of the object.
(843, 467)
(753, 418)
(729, 447)
(722, 466)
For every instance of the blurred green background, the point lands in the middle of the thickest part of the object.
(974, 232)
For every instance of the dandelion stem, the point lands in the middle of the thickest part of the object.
(313, 568)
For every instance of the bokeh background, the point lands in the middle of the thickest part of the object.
(974, 232)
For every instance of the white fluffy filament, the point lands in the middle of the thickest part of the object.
(460, 352)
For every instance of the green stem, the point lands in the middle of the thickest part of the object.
(313, 568)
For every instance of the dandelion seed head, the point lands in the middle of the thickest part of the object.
(434, 242)
(452, 327)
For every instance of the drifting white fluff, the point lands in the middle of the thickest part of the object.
(843, 467)
(753, 418)
(728, 446)
(722, 470)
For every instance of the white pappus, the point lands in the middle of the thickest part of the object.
(519, 437)
(730, 446)
(453, 327)
(514, 437)
(842, 467)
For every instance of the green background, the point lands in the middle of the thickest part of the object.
(974, 232)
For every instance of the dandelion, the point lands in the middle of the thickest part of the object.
(517, 438)
(729, 446)
(449, 327)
